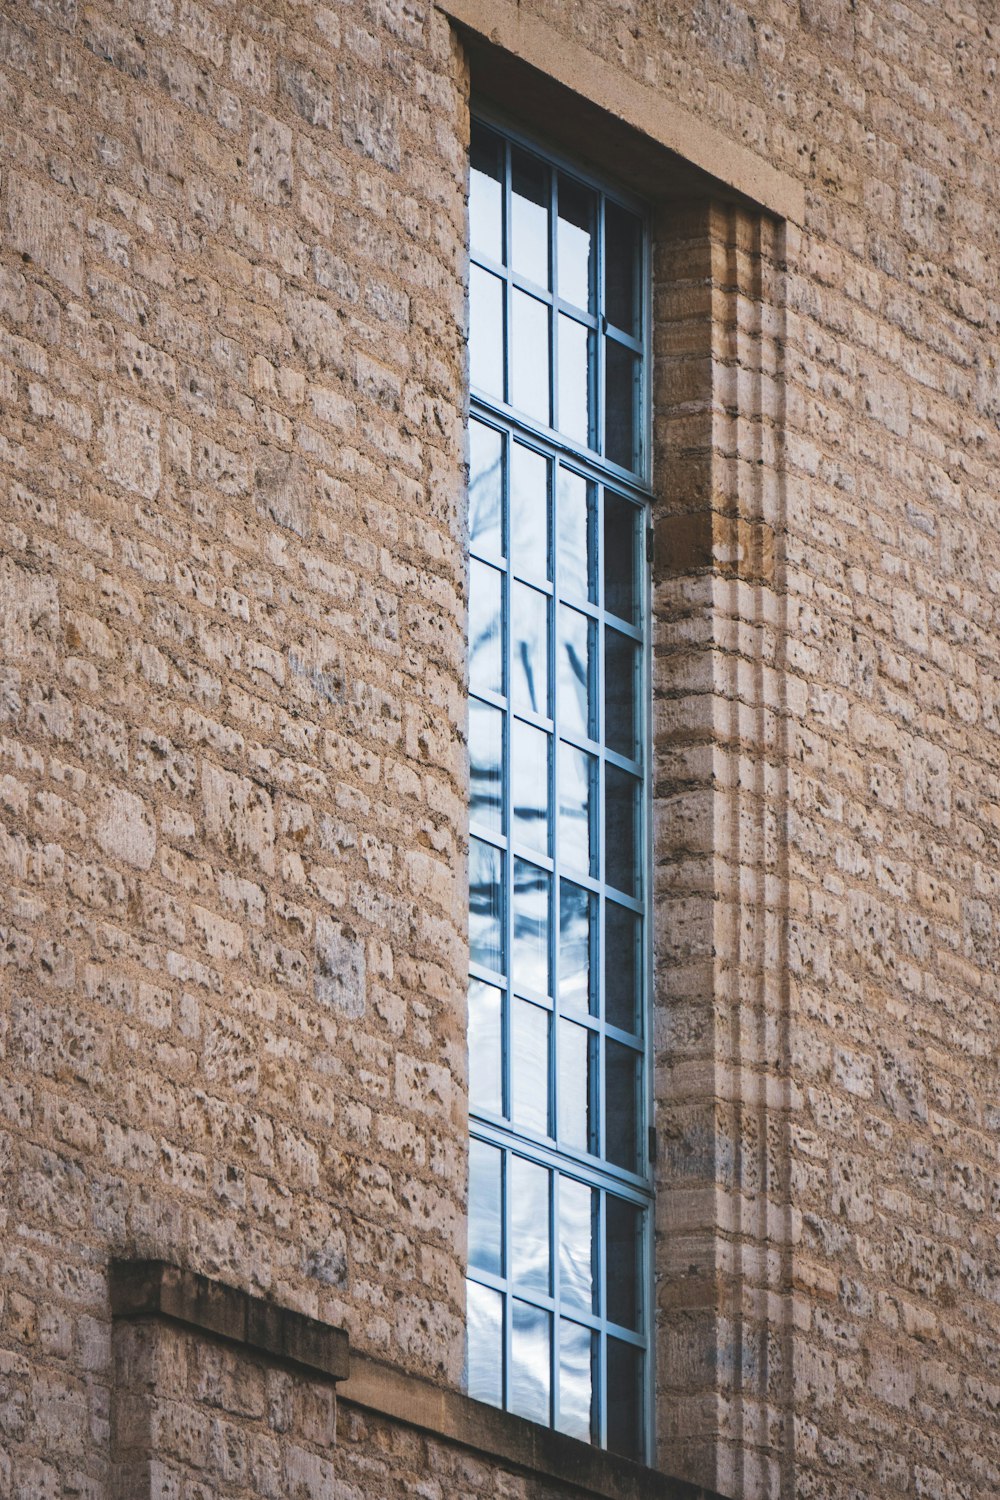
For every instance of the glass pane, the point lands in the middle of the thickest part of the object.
(575, 1380)
(575, 242)
(529, 647)
(529, 1215)
(621, 1105)
(485, 1208)
(621, 573)
(574, 667)
(530, 964)
(621, 683)
(529, 253)
(529, 357)
(621, 798)
(576, 1244)
(576, 914)
(529, 1066)
(573, 392)
(529, 512)
(622, 240)
(624, 1399)
(575, 501)
(485, 628)
(529, 770)
(623, 1258)
(485, 1043)
(530, 1358)
(486, 331)
(485, 904)
(622, 966)
(485, 763)
(576, 771)
(485, 489)
(574, 1086)
(485, 1344)
(621, 403)
(486, 194)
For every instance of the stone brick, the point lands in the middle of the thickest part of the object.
(130, 439)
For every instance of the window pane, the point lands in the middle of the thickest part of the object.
(621, 404)
(624, 1399)
(485, 628)
(486, 194)
(485, 489)
(485, 1344)
(486, 764)
(530, 964)
(575, 505)
(622, 240)
(575, 1380)
(529, 1066)
(529, 1213)
(621, 794)
(529, 512)
(621, 692)
(576, 915)
(622, 966)
(575, 672)
(529, 758)
(485, 1208)
(576, 775)
(574, 1086)
(573, 393)
(576, 1244)
(530, 217)
(621, 1105)
(486, 332)
(529, 360)
(621, 557)
(485, 1043)
(575, 244)
(529, 649)
(623, 1258)
(485, 904)
(530, 1358)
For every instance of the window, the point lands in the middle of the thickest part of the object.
(559, 1196)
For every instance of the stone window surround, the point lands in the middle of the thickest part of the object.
(723, 230)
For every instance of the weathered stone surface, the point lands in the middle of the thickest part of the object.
(232, 764)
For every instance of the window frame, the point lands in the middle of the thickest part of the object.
(597, 1172)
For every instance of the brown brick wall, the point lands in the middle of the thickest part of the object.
(231, 714)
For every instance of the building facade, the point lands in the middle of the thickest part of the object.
(733, 1009)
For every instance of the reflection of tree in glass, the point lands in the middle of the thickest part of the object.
(485, 489)
(485, 749)
(484, 903)
(531, 925)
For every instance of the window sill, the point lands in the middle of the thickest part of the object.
(498, 1435)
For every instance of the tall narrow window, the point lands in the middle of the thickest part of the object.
(559, 1190)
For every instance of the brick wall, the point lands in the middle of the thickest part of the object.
(231, 714)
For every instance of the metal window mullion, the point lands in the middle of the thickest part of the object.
(508, 1295)
(506, 817)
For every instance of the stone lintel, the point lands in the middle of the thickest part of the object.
(508, 25)
(155, 1288)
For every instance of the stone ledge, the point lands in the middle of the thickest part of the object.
(498, 1435)
(155, 1288)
